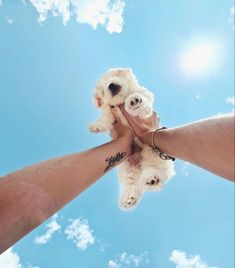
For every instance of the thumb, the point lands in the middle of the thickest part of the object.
(116, 115)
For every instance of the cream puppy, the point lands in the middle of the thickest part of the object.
(120, 86)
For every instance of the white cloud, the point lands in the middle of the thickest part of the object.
(56, 7)
(185, 169)
(9, 20)
(108, 13)
(113, 264)
(10, 259)
(198, 96)
(231, 16)
(0, 2)
(125, 259)
(181, 260)
(51, 227)
(115, 19)
(232, 10)
(230, 100)
(102, 245)
(79, 232)
(31, 266)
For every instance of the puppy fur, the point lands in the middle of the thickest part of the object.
(120, 86)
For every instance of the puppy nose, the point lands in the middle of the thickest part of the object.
(114, 88)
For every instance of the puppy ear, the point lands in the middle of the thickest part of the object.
(97, 101)
(125, 71)
(128, 70)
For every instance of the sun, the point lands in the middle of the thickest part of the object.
(198, 58)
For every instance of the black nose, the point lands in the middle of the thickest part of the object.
(114, 88)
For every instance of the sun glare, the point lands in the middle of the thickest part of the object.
(198, 59)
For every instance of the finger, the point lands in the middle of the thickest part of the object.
(122, 106)
(155, 120)
(131, 119)
(151, 122)
(112, 133)
(115, 115)
(137, 120)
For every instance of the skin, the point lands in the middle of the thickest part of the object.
(30, 196)
(208, 143)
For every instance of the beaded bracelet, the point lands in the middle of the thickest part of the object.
(157, 150)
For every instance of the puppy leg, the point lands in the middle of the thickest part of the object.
(152, 180)
(155, 170)
(104, 123)
(138, 105)
(130, 187)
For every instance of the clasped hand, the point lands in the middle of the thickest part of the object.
(140, 128)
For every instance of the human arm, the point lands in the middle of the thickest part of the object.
(31, 195)
(207, 143)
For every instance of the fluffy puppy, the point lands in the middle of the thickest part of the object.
(120, 86)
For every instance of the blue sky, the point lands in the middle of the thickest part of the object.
(182, 51)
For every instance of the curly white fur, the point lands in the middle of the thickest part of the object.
(120, 86)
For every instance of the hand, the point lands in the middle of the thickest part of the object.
(120, 130)
(142, 128)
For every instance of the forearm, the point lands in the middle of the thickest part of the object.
(31, 195)
(208, 143)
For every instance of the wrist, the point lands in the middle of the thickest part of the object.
(147, 137)
(161, 139)
(126, 143)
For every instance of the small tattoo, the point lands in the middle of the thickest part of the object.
(113, 160)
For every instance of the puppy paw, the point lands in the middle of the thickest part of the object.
(93, 128)
(128, 201)
(153, 183)
(138, 105)
(100, 127)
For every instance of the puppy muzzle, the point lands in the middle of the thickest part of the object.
(114, 88)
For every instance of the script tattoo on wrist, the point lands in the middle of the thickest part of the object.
(112, 160)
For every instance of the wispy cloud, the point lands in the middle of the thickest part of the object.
(80, 233)
(10, 259)
(182, 260)
(102, 245)
(51, 227)
(125, 259)
(185, 169)
(113, 264)
(29, 265)
(230, 100)
(108, 13)
(231, 16)
(9, 20)
(198, 96)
